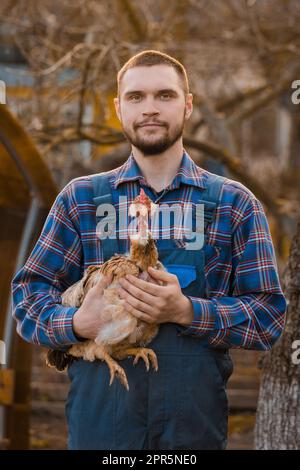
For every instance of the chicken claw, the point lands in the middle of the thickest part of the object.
(115, 369)
(144, 353)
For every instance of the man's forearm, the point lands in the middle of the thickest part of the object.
(253, 321)
(43, 321)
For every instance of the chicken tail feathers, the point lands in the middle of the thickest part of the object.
(59, 359)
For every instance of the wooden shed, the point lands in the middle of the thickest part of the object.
(27, 192)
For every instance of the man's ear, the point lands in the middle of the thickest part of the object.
(117, 107)
(188, 106)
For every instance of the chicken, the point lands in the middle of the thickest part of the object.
(123, 334)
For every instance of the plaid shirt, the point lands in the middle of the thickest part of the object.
(245, 307)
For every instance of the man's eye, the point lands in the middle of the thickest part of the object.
(165, 95)
(135, 97)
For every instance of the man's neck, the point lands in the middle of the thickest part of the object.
(159, 170)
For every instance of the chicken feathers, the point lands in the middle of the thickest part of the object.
(122, 334)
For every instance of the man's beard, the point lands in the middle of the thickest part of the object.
(158, 145)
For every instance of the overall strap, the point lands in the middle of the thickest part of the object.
(210, 197)
(103, 195)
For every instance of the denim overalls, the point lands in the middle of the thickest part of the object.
(181, 406)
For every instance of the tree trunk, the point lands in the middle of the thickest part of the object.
(278, 411)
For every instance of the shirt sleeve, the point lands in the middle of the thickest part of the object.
(253, 315)
(53, 265)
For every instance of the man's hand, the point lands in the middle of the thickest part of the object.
(87, 320)
(156, 303)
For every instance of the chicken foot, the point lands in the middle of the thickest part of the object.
(91, 351)
(115, 370)
(144, 353)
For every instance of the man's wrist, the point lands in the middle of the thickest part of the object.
(76, 327)
(187, 312)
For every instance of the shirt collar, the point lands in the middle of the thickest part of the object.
(187, 173)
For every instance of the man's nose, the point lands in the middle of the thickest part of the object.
(150, 108)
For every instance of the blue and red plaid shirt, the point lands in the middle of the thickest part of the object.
(245, 308)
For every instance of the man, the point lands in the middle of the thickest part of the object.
(223, 295)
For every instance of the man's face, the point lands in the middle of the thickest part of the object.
(152, 107)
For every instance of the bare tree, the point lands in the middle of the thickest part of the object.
(241, 57)
(278, 412)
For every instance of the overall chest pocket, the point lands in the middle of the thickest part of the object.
(188, 266)
(186, 274)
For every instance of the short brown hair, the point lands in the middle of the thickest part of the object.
(152, 57)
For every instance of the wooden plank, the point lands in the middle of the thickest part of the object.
(4, 443)
(6, 386)
(243, 385)
(242, 399)
(243, 381)
(18, 412)
(49, 391)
